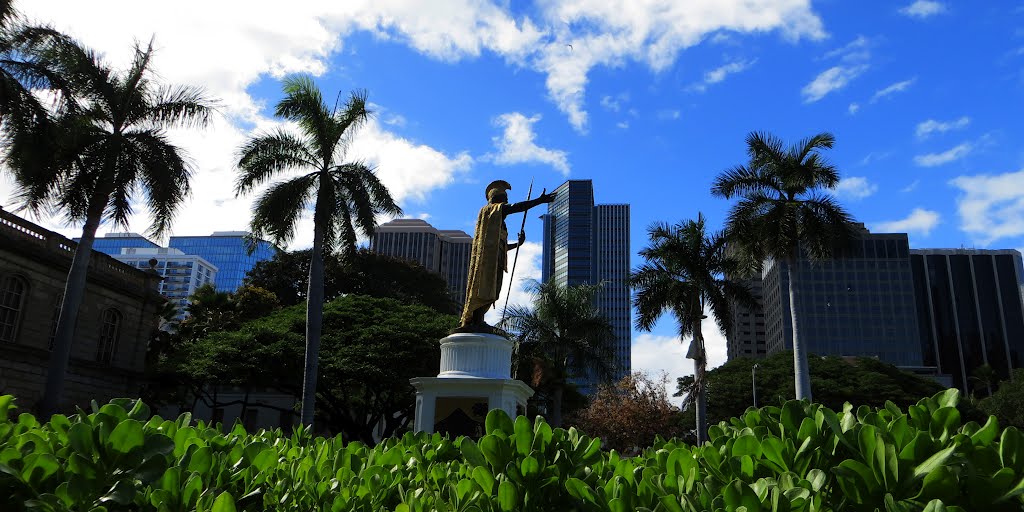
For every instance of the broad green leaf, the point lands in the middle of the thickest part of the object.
(508, 497)
(471, 452)
(987, 434)
(6, 404)
(529, 467)
(524, 435)
(580, 490)
(934, 462)
(498, 420)
(483, 477)
(127, 436)
(224, 503)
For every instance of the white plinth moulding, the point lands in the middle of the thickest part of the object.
(484, 356)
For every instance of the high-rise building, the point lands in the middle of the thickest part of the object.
(969, 311)
(588, 244)
(227, 251)
(860, 303)
(748, 336)
(182, 273)
(445, 252)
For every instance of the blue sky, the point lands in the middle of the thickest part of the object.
(650, 99)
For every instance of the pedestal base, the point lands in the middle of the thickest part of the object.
(505, 394)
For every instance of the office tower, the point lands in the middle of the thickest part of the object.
(859, 303)
(969, 311)
(182, 273)
(588, 244)
(229, 252)
(445, 252)
(112, 243)
(748, 336)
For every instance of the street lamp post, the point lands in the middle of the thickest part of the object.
(753, 380)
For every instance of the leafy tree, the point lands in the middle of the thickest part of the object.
(684, 274)
(348, 196)
(1007, 403)
(836, 380)
(111, 144)
(364, 273)
(629, 415)
(371, 348)
(784, 213)
(562, 336)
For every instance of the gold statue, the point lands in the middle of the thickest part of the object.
(489, 256)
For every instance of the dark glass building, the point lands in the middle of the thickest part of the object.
(747, 336)
(860, 303)
(969, 311)
(445, 252)
(588, 244)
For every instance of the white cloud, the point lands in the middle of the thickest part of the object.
(614, 103)
(854, 51)
(527, 271)
(934, 159)
(853, 108)
(516, 145)
(855, 187)
(926, 128)
(892, 89)
(622, 125)
(653, 354)
(409, 170)
(830, 80)
(228, 49)
(720, 73)
(919, 221)
(923, 9)
(911, 187)
(991, 206)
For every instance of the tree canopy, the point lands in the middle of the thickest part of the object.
(371, 348)
(859, 381)
(364, 273)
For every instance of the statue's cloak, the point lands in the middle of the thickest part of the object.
(487, 261)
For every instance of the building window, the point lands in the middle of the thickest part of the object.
(12, 300)
(110, 330)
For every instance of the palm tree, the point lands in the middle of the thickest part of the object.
(110, 144)
(785, 214)
(565, 334)
(686, 273)
(349, 196)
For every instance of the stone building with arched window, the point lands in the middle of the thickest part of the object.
(119, 314)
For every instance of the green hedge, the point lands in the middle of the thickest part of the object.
(800, 456)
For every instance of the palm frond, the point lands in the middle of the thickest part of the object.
(278, 210)
(263, 157)
(304, 104)
(165, 173)
(183, 106)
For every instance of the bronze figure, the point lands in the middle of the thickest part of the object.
(489, 255)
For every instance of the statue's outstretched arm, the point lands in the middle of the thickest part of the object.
(522, 206)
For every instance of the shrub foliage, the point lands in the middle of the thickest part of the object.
(796, 457)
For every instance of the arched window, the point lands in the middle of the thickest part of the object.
(110, 331)
(13, 290)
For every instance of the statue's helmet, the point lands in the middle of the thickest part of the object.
(496, 186)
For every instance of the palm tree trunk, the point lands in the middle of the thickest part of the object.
(314, 316)
(74, 292)
(700, 404)
(802, 373)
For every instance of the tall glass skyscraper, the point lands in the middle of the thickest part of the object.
(229, 252)
(588, 244)
(969, 311)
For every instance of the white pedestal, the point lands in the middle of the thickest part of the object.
(474, 367)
